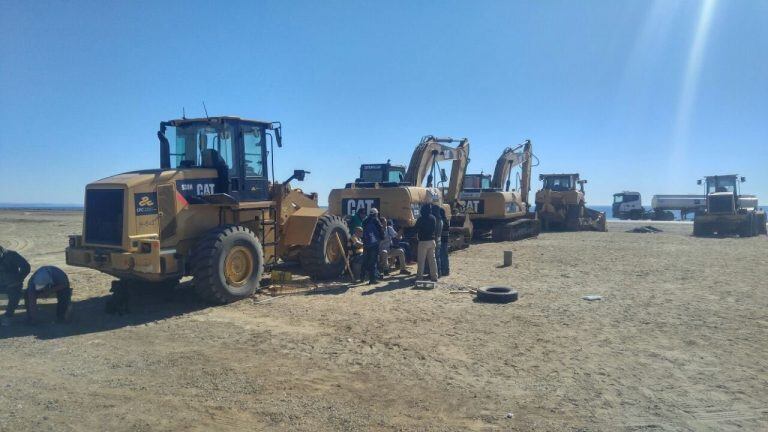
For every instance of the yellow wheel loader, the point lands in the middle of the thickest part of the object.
(398, 193)
(498, 212)
(210, 211)
(728, 212)
(560, 206)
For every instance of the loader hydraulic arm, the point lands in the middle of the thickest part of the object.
(432, 150)
(509, 159)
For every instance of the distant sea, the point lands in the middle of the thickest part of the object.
(41, 207)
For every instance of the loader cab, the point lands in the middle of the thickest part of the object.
(722, 193)
(477, 182)
(385, 174)
(236, 148)
(561, 182)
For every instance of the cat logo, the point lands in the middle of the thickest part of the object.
(146, 202)
(475, 206)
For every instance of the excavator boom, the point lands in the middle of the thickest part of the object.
(432, 150)
(509, 159)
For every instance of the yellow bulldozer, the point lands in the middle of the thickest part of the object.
(560, 206)
(497, 211)
(211, 211)
(399, 192)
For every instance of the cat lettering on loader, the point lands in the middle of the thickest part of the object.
(210, 211)
(728, 212)
(398, 193)
(497, 211)
(560, 206)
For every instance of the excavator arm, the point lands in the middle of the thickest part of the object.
(509, 159)
(432, 150)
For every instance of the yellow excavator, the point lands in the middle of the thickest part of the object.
(400, 197)
(497, 211)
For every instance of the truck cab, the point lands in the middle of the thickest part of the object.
(627, 205)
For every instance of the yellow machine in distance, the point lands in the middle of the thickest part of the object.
(560, 206)
(399, 196)
(498, 211)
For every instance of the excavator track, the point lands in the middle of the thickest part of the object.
(516, 230)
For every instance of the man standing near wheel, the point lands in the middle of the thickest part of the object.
(373, 234)
(425, 233)
(13, 269)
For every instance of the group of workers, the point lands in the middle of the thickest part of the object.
(45, 281)
(376, 245)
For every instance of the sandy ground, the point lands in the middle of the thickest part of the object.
(678, 343)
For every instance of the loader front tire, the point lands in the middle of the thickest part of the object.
(227, 264)
(322, 259)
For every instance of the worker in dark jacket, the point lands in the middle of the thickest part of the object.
(445, 234)
(13, 269)
(46, 281)
(373, 234)
(426, 229)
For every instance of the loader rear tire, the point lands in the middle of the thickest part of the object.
(322, 260)
(761, 221)
(227, 264)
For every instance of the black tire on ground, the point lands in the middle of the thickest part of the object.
(496, 294)
(315, 259)
(211, 257)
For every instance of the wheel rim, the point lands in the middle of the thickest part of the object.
(332, 252)
(238, 266)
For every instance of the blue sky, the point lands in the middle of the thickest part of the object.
(640, 95)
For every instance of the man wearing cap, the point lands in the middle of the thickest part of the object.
(44, 282)
(13, 269)
(373, 234)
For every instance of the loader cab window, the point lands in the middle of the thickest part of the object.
(558, 183)
(255, 157)
(721, 184)
(202, 146)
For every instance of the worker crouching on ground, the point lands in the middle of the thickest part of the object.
(13, 269)
(356, 253)
(44, 282)
(388, 251)
(373, 234)
(426, 227)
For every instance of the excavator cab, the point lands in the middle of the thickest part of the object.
(386, 174)
(477, 182)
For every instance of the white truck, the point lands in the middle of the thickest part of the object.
(628, 205)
